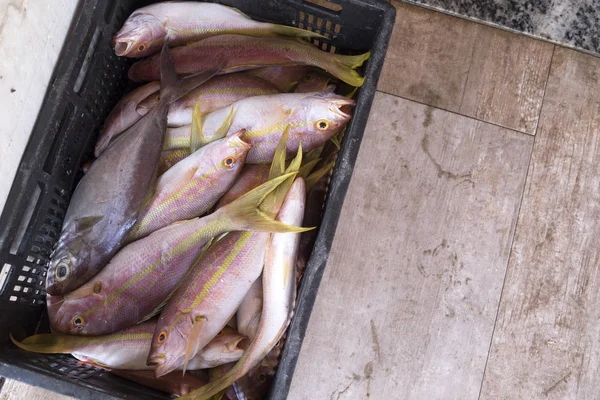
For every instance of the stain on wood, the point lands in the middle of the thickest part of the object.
(546, 345)
(472, 69)
(409, 297)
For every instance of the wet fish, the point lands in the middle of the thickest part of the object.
(178, 23)
(107, 200)
(248, 313)
(169, 158)
(312, 117)
(215, 286)
(252, 175)
(240, 53)
(228, 346)
(284, 78)
(128, 349)
(193, 185)
(314, 82)
(219, 92)
(279, 288)
(206, 299)
(124, 115)
(136, 282)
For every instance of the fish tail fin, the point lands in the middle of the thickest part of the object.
(307, 168)
(244, 212)
(173, 88)
(284, 30)
(316, 176)
(278, 163)
(213, 388)
(272, 203)
(197, 139)
(343, 67)
(50, 343)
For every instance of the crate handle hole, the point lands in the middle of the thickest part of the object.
(328, 5)
(4, 273)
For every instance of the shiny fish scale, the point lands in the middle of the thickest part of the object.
(170, 209)
(241, 53)
(138, 278)
(193, 186)
(214, 289)
(266, 117)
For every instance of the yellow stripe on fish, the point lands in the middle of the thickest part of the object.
(181, 247)
(231, 257)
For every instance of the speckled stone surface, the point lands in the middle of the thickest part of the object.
(573, 23)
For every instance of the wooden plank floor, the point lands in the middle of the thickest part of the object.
(465, 263)
(438, 298)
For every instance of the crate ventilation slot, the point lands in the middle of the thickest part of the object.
(320, 25)
(87, 61)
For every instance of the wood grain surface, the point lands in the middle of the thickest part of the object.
(546, 344)
(465, 67)
(408, 301)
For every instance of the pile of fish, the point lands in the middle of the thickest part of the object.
(183, 244)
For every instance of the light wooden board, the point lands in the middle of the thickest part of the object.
(408, 301)
(547, 339)
(473, 69)
(31, 35)
(14, 390)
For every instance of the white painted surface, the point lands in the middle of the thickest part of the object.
(31, 36)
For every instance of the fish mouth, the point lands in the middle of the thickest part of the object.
(156, 361)
(237, 141)
(122, 46)
(243, 343)
(343, 107)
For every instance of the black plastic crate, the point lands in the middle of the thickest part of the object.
(87, 82)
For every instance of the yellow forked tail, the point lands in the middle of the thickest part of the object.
(51, 343)
(344, 67)
(244, 212)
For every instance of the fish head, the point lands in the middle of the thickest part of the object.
(227, 346)
(148, 104)
(325, 114)
(255, 384)
(314, 82)
(169, 342)
(230, 153)
(79, 312)
(141, 35)
(63, 271)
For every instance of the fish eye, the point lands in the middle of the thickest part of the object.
(162, 337)
(142, 47)
(229, 162)
(157, 98)
(98, 287)
(262, 378)
(220, 334)
(62, 271)
(322, 124)
(307, 78)
(78, 321)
